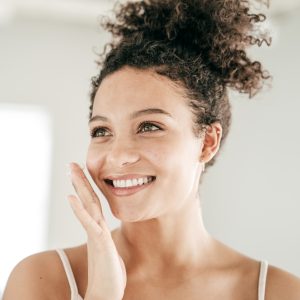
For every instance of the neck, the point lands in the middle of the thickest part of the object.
(176, 242)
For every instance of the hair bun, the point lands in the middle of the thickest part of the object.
(217, 31)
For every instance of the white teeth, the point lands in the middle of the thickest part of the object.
(131, 182)
(122, 183)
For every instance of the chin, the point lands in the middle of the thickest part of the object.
(129, 217)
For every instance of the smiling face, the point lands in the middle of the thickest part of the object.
(132, 141)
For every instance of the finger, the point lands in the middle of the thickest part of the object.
(90, 225)
(86, 193)
(78, 179)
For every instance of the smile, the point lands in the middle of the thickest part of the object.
(130, 182)
(129, 187)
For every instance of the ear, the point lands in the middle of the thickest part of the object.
(211, 142)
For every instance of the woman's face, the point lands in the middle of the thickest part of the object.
(145, 144)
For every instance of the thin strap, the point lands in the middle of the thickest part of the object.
(70, 275)
(262, 279)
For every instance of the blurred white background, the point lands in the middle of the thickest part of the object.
(251, 197)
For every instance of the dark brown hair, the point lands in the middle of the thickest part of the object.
(199, 44)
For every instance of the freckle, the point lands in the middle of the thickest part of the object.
(41, 277)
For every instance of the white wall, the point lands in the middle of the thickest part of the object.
(251, 198)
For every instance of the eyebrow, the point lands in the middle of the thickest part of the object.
(134, 115)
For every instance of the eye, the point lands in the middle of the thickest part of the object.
(148, 125)
(97, 132)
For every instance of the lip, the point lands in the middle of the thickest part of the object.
(128, 176)
(122, 192)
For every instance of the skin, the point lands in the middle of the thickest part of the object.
(162, 249)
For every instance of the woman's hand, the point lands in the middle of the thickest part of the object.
(106, 269)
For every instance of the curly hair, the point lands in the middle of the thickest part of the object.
(199, 44)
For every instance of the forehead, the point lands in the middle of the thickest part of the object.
(134, 89)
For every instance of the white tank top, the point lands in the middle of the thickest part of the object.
(76, 296)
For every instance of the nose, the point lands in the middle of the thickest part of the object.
(122, 152)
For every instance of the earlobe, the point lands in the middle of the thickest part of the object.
(211, 142)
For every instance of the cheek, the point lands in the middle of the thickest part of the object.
(159, 155)
(168, 152)
(94, 160)
(177, 162)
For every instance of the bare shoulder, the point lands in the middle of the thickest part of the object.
(39, 276)
(282, 285)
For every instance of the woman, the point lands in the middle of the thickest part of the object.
(159, 114)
